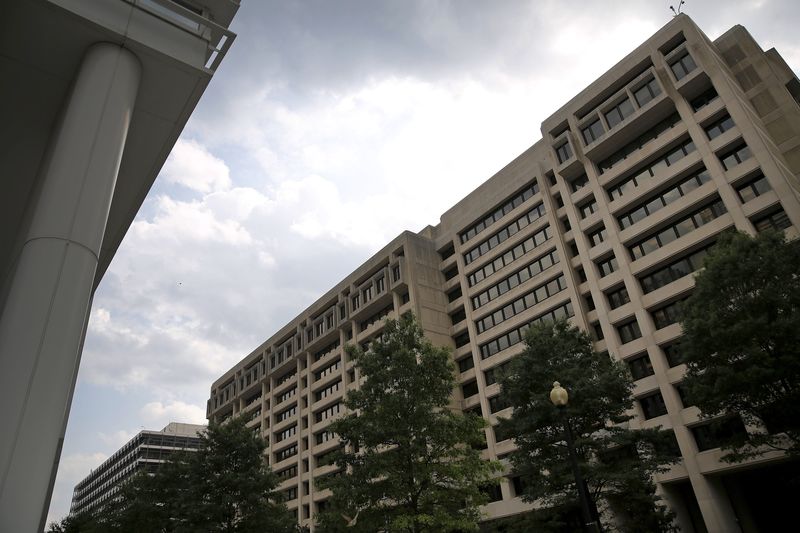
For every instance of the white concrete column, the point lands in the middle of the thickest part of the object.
(43, 323)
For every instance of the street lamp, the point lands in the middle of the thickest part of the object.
(560, 399)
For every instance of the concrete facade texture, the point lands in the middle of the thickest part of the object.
(92, 115)
(603, 221)
(145, 451)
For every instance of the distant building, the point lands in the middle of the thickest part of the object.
(602, 221)
(145, 451)
(94, 95)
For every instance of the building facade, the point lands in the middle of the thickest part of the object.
(94, 96)
(603, 221)
(146, 451)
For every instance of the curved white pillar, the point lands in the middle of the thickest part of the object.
(43, 323)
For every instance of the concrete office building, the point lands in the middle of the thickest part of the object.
(146, 451)
(603, 220)
(94, 96)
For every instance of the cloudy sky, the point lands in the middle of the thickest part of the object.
(307, 154)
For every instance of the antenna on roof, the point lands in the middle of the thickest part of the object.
(677, 12)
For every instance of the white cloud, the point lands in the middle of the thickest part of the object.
(191, 165)
(117, 438)
(160, 414)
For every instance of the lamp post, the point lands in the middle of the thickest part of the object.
(560, 399)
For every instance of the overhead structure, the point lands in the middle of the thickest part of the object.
(95, 94)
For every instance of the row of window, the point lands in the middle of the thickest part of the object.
(328, 370)
(327, 391)
(526, 246)
(653, 204)
(667, 315)
(536, 296)
(286, 377)
(564, 152)
(619, 112)
(646, 173)
(326, 351)
(285, 453)
(323, 436)
(673, 271)
(376, 317)
(647, 92)
(509, 205)
(753, 188)
(286, 433)
(684, 226)
(777, 220)
(618, 297)
(517, 278)
(492, 374)
(328, 412)
(509, 231)
(286, 395)
(516, 335)
(719, 126)
(736, 156)
(286, 414)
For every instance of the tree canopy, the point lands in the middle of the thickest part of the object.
(616, 462)
(410, 461)
(742, 340)
(224, 486)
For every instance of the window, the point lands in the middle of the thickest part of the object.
(469, 389)
(451, 273)
(564, 152)
(735, 157)
(719, 127)
(640, 366)
(618, 297)
(629, 331)
(454, 294)
(491, 375)
(588, 208)
(517, 278)
(323, 436)
(526, 246)
(380, 285)
(355, 301)
(683, 65)
(324, 414)
(501, 236)
(667, 315)
(598, 331)
(619, 112)
(777, 220)
(327, 391)
(653, 204)
(579, 183)
(589, 302)
(286, 433)
(462, 340)
(515, 336)
(607, 266)
(559, 200)
(396, 273)
(286, 414)
(653, 405)
(674, 271)
(644, 174)
(638, 143)
(753, 188)
(598, 236)
(647, 92)
(673, 354)
(677, 230)
(592, 132)
(511, 203)
(718, 432)
(565, 223)
(497, 403)
(704, 99)
(465, 363)
(328, 370)
(286, 453)
(528, 300)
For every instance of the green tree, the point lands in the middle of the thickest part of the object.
(616, 462)
(742, 340)
(80, 523)
(411, 463)
(224, 486)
